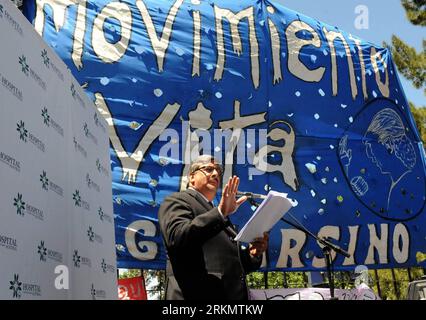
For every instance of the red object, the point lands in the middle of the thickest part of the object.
(132, 289)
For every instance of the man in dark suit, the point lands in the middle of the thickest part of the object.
(204, 263)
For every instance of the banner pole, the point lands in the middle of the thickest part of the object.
(378, 283)
(395, 286)
(410, 277)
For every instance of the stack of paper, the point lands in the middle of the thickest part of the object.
(265, 217)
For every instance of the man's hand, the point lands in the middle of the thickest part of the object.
(259, 245)
(228, 203)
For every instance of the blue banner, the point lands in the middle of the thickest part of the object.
(286, 102)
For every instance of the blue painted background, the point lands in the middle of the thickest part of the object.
(338, 182)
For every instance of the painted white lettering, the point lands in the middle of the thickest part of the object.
(383, 87)
(150, 247)
(290, 236)
(286, 167)
(276, 50)
(80, 30)
(353, 238)
(401, 253)
(378, 244)
(159, 45)
(199, 119)
(234, 20)
(236, 125)
(58, 7)
(295, 45)
(197, 44)
(362, 63)
(112, 52)
(326, 231)
(130, 164)
(331, 37)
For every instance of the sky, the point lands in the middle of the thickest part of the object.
(385, 18)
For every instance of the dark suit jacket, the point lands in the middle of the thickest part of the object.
(203, 262)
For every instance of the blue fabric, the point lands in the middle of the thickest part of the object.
(350, 156)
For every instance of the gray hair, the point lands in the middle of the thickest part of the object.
(201, 161)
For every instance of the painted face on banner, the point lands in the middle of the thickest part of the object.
(384, 169)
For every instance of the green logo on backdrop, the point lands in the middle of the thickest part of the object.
(23, 133)
(93, 292)
(46, 117)
(86, 129)
(73, 92)
(101, 213)
(46, 59)
(15, 286)
(19, 204)
(25, 68)
(76, 258)
(77, 198)
(103, 265)
(90, 234)
(88, 180)
(42, 251)
(44, 180)
(95, 117)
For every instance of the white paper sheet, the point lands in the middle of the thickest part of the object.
(265, 217)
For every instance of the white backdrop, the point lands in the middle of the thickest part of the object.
(55, 179)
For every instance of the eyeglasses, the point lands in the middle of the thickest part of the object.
(209, 170)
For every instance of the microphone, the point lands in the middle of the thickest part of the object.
(336, 248)
(250, 195)
(231, 232)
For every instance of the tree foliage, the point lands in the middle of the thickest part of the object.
(410, 63)
(419, 115)
(416, 11)
(390, 289)
(130, 273)
(154, 281)
(384, 284)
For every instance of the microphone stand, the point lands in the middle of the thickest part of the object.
(327, 247)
